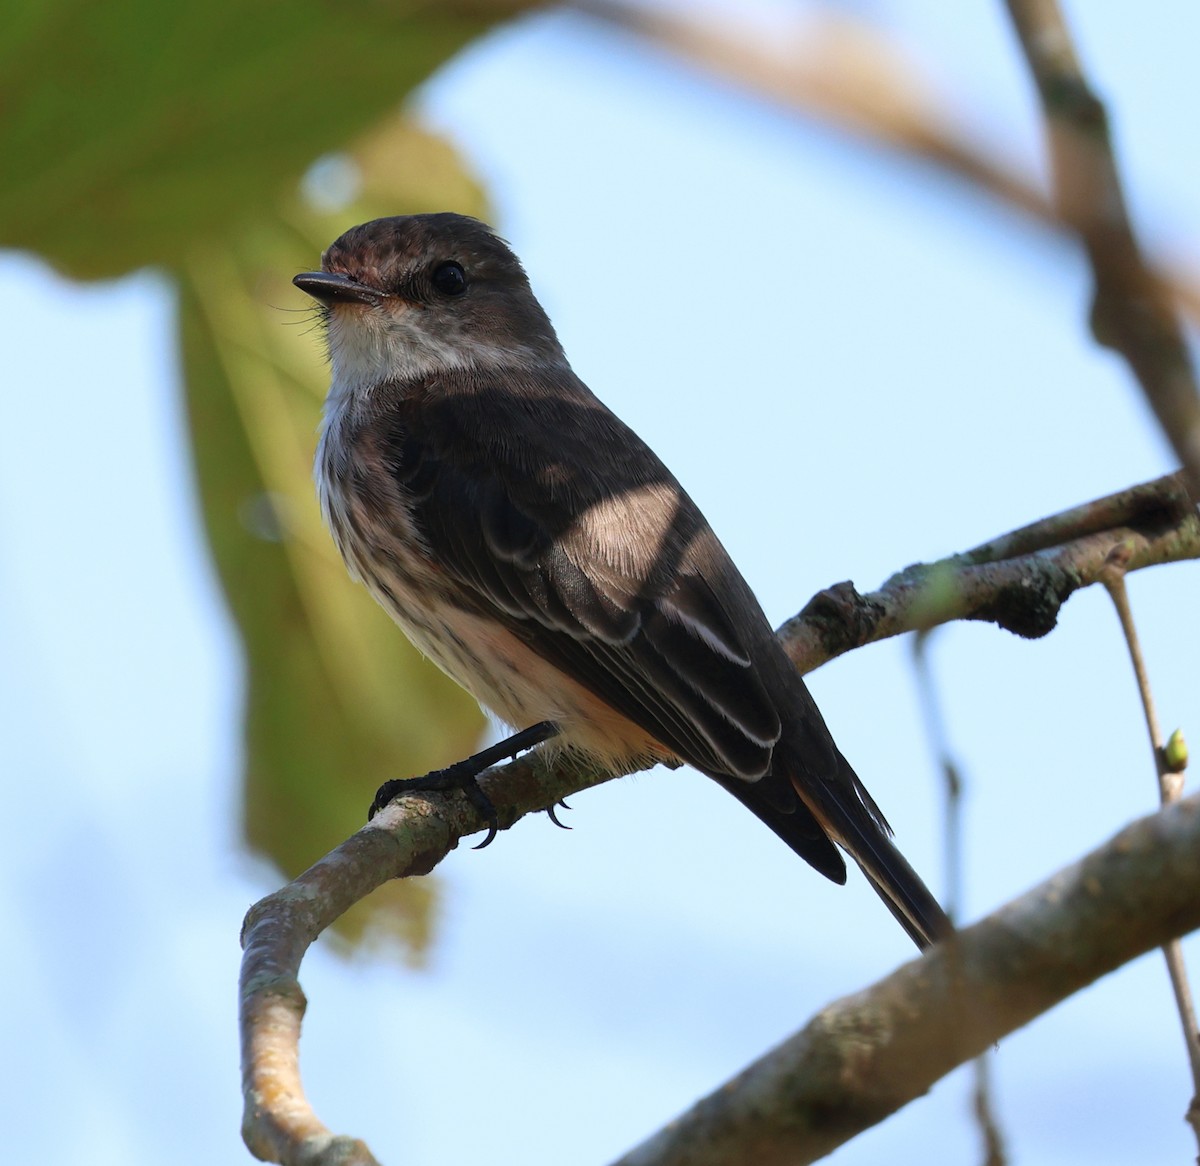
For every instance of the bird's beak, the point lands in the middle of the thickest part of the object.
(330, 288)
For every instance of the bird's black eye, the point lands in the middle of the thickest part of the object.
(450, 279)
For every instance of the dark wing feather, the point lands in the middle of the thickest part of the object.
(602, 573)
(558, 521)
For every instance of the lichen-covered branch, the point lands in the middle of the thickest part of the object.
(1019, 580)
(408, 837)
(867, 1055)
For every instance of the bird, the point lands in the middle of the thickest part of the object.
(536, 549)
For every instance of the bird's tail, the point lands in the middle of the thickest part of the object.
(843, 810)
(848, 813)
(901, 889)
(807, 823)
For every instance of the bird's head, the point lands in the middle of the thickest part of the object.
(410, 296)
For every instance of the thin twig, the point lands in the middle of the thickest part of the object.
(983, 1106)
(1170, 789)
(1132, 312)
(952, 786)
(1170, 786)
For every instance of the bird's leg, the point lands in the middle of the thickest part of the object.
(463, 775)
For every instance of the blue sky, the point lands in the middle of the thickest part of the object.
(852, 365)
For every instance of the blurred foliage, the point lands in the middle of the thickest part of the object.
(134, 128)
(176, 135)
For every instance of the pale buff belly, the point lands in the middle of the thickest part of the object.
(519, 686)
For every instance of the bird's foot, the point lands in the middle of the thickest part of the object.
(464, 775)
(550, 813)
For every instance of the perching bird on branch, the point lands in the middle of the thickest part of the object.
(536, 549)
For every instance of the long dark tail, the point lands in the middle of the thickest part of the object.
(896, 883)
(842, 809)
(849, 813)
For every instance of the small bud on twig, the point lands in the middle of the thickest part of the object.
(1175, 752)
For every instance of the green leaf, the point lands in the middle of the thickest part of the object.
(135, 129)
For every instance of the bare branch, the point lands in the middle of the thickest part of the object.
(865, 1056)
(408, 837)
(1132, 311)
(1018, 581)
(413, 834)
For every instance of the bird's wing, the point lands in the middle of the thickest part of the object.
(558, 521)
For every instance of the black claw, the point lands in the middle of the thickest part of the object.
(554, 817)
(487, 811)
(388, 792)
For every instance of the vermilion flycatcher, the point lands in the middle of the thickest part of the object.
(536, 549)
